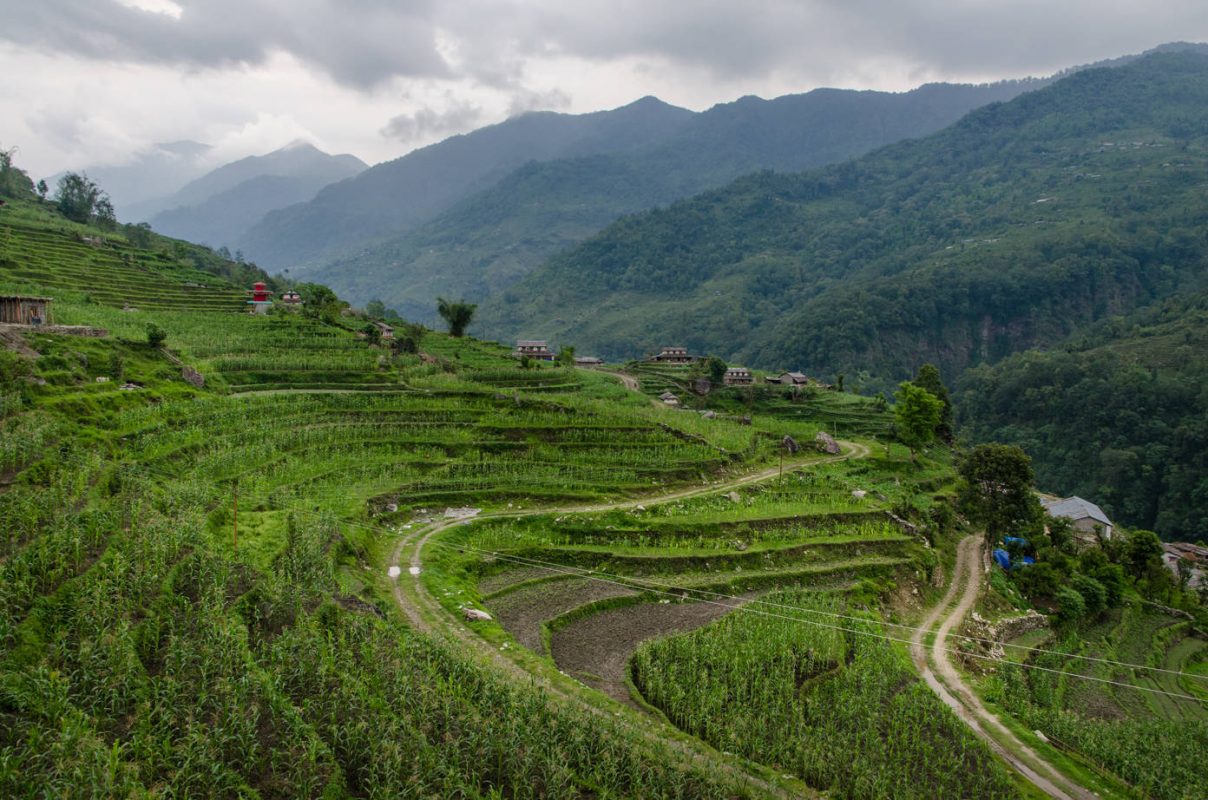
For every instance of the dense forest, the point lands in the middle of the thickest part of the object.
(1120, 415)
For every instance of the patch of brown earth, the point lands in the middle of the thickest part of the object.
(511, 577)
(523, 611)
(596, 650)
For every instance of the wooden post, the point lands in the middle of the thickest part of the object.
(235, 518)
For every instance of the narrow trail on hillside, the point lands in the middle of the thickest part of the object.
(425, 613)
(959, 696)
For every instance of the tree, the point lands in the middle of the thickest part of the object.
(13, 182)
(916, 416)
(995, 489)
(77, 197)
(373, 333)
(929, 379)
(376, 309)
(42, 189)
(566, 356)
(155, 335)
(714, 369)
(457, 314)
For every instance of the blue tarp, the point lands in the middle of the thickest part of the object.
(1003, 558)
(1015, 540)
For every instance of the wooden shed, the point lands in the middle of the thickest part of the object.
(24, 309)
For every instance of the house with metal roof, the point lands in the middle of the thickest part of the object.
(1088, 519)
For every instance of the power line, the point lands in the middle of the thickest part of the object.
(743, 604)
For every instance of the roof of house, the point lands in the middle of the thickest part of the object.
(532, 343)
(1186, 550)
(1076, 508)
(737, 371)
(26, 297)
(800, 376)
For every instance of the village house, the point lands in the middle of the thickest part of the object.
(536, 349)
(1088, 519)
(1185, 558)
(385, 330)
(738, 376)
(673, 355)
(588, 361)
(788, 379)
(291, 298)
(669, 399)
(24, 310)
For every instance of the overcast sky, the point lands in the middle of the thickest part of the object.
(91, 81)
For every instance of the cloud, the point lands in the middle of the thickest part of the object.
(359, 43)
(427, 124)
(525, 100)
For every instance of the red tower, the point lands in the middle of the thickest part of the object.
(261, 297)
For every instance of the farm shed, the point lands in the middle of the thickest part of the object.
(588, 361)
(1185, 558)
(25, 310)
(291, 298)
(738, 376)
(788, 379)
(385, 330)
(1085, 516)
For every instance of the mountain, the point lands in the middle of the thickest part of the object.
(1011, 229)
(151, 174)
(219, 207)
(398, 195)
(489, 240)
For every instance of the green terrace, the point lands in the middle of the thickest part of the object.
(38, 258)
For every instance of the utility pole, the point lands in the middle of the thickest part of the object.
(235, 518)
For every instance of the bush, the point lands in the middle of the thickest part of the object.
(1070, 605)
(155, 335)
(1094, 593)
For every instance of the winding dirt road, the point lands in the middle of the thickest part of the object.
(958, 696)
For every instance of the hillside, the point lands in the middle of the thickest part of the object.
(1011, 229)
(1119, 413)
(138, 186)
(486, 242)
(349, 568)
(219, 207)
(398, 195)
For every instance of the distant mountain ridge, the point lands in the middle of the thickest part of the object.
(150, 174)
(399, 195)
(488, 240)
(220, 206)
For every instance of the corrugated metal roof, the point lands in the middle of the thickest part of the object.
(1076, 508)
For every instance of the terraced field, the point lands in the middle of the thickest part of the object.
(1153, 741)
(679, 607)
(841, 414)
(41, 256)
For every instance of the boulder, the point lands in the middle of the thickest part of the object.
(827, 444)
(475, 615)
(192, 376)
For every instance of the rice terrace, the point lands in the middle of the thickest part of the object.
(820, 520)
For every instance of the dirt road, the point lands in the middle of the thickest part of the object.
(958, 696)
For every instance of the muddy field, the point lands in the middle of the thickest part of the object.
(596, 650)
(523, 611)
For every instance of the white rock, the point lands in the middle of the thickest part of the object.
(858, 494)
(413, 570)
(394, 572)
(474, 614)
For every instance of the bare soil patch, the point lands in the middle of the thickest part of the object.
(596, 650)
(511, 577)
(523, 611)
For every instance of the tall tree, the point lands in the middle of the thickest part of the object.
(457, 314)
(996, 489)
(77, 197)
(929, 379)
(916, 415)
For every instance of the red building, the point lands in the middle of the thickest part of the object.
(261, 297)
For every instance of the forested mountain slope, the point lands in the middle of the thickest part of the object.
(1120, 414)
(1011, 229)
(489, 240)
